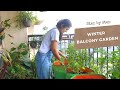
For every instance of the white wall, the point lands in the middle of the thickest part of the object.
(80, 18)
(20, 36)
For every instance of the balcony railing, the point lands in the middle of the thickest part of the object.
(69, 38)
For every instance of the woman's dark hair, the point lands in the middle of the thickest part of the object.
(64, 23)
(1, 41)
(60, 36)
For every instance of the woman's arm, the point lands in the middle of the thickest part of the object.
(54, 49)
(61, 54)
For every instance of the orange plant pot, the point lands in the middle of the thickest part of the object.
(65, 62)
(86, 70)
(69, 70)
(89, 76)
(57, 63)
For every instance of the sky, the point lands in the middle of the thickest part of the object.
(79, 19)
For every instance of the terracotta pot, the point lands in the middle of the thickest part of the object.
(89, 76)
(65, 62)
(57, 63)
(86, 70)
(69, 70)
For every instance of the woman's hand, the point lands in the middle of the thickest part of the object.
(66, 57)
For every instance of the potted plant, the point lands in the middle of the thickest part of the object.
(25, 18)
(33, 42)
(89, 76)
(76, 61)
(4, 25)
(17, 64)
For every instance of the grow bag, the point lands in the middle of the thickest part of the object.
(89, 76)
(59, 70)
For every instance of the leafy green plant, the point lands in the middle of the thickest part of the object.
(17, 71)
(24, 17)
(6, 24)
(115, 61)
(7, 62)
(76, 58)
(17, 65)
(108, 63)
(19, 52)
(101, 61)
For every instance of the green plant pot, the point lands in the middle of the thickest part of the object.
(70, 75)
(59, 72)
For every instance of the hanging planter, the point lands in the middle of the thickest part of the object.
(33, 44)
(27, 22)
(25, 18)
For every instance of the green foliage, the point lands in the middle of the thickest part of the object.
(19, 52)
(23, 48)
(102, 60)
(2, 36)
(116, 72)
(106, 63)
(25, 15)
(77, 58)
(115, 60)
(20, 66)
(6, 24)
